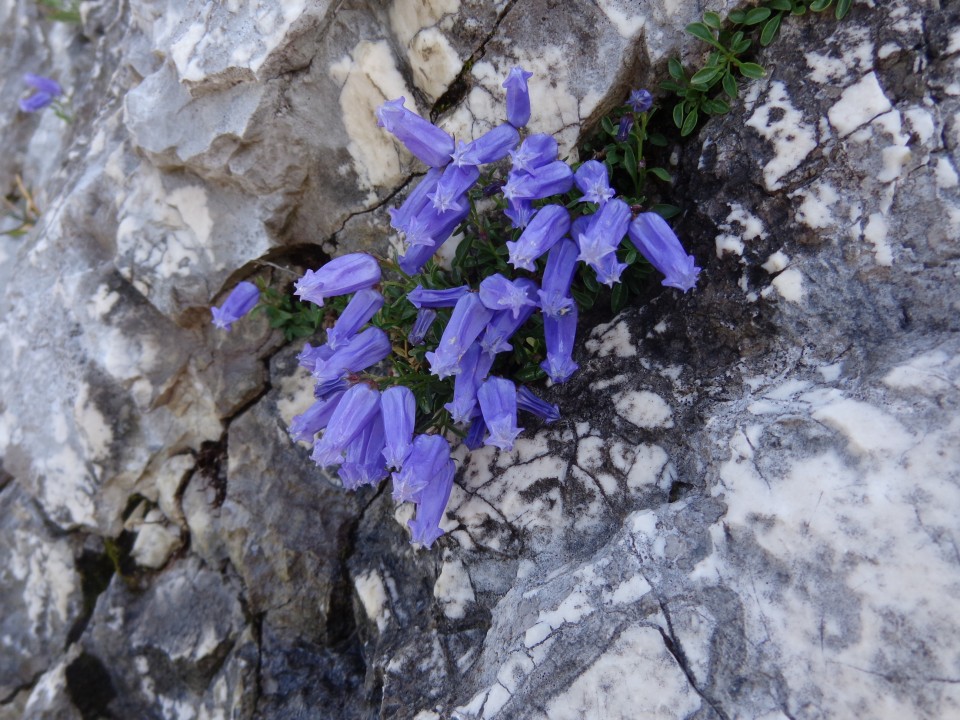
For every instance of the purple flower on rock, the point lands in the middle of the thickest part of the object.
(434, 232)
(362, 306)
(529, 402)
(421, 325)
(340, 276)
(358, 406)
(360, 352)
(311, 356)
(422, 138)
(399, 409)
(601, 238)
(450, 193)
(241, 300)
(418, 199)
(499, 293)
(469, 319)
(534, 152)
(364, 461)
(306, 425)
(465, 386)
(474, 438)
(429, 455)
(47, 90)
(504, 323)
(640, 100)
(425, 528)
(551, 179)
(547, 227)
(520, 212)
(518, 97)
(594, 183)
(498, 403)
(626, 125)
(560, 332)
(555, 297)
(421, 297)
(493, 145)
(657, 242)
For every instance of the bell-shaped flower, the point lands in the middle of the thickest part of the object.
(241, 300)
(425, 527)
(468, 320)
(465, 385)
(529, 402)
(399, 409)
(424, 298)
(560, 332)
(474, 437)
(518, 97)
(609, 270)
(547, 227)
(47, 90)
(602, 237)
(362, 306)
(504, 323)
(310, 356)
(421, 325)
(657, 242)
(520, 212)
(429, 236)
(498, 403)
(418, 199)
(364, 461)
(328, 388)
(624, 128)
(534, 152)
(551, 179)
(451, 191)
(555, 297)
(493, 145)
(594, 182)
(640, 100)
(306, 425)
(422, 138)
(360, 352)
(341, 276)
(358, 406)
(429, 456)
(499, 293)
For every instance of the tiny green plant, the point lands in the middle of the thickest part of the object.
(67, 11)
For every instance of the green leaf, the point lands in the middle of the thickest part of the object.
(584, 299)
(689, 123)
(843, 7)
(590, 281)
(670, 86)
(661, 173)
(712, 19)
(769, 31)
(742, 46)
(607, 125)
(752, 70)
(737, 17)
(782, 5)
(705, 76)
(716, 107)
(678, 114)
(820, 5)
(630, 161)
(666, 211)
(530, 373)
(657, 139)
(676, 69)
(757, 15)
(730, 85)
(699, 30)
(619, 297)
(799, 9)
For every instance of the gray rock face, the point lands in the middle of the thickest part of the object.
(747, 510)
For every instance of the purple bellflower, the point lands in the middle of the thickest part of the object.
(241, 300)
(305, 426)
(360, 352)
(341, 276)
(422, 138)
(659, 244)
(421, 325)
(474, 438)
(364, 461)
(520, 212)
(601, 238)
(399, 409)
(362, 306)
(428, 456)
(417, 199)
(425, 528)
(640, 100)
(518, 97)
(435, 232)
(534, 152)
(504, 324)
(327, 388)
(594, 183)
(551, 179)
(467, 321)
(498, 402)
(498, 293)
(451, 191)
(465, 386)
(493, 145)
(423, 298)
(529, 402)
(609, 270)
(560, 332)
(626, 125)
(47, 90)
(555, 297)
(547, 227)
(311, 356)
(358, 407)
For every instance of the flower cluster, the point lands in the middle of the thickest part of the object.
(367, 425)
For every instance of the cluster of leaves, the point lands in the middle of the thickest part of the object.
(707, 90)
(67, 11)
(19, 206)
(284, 312)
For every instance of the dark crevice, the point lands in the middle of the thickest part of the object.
(90, 688)
(28, 685)
(96, 570)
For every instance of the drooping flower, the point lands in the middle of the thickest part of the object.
(436, 231)
(467, 321)
(310, 356)
(520, 212)
(657, 242)
(358, 353)
(47, 90)
(493, 145)
(451, 190)
(640, 100)
(547, 227)
(341, 276)
(428, 456)
(478, 428)
(518, 97)
(241, 300)
(465, 386)
(421, 325)
(499, 293)
(424, 298)
(422, 138)
(624, 128)
(358, 406)
(529, 402)
(594, 183)
(555, 297)
(504, 323)
(417, 199)
(498, 403)
(551, 179)
(399, 409)
(425, 527)
(362, 306)
(601, 238)
(364, 460)
(609, 270)
(560, 332)
(534, 152)
(306, 425)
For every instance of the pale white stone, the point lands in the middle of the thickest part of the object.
(875, 233)
(789, 285)
(155, 541)
(373, 596)
(776, 262)
(946, 174)
(453, 589)
(814, 210)
(858, 104)
(643, 408)
(792, 139)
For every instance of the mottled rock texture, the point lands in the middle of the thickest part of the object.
(747, 511)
